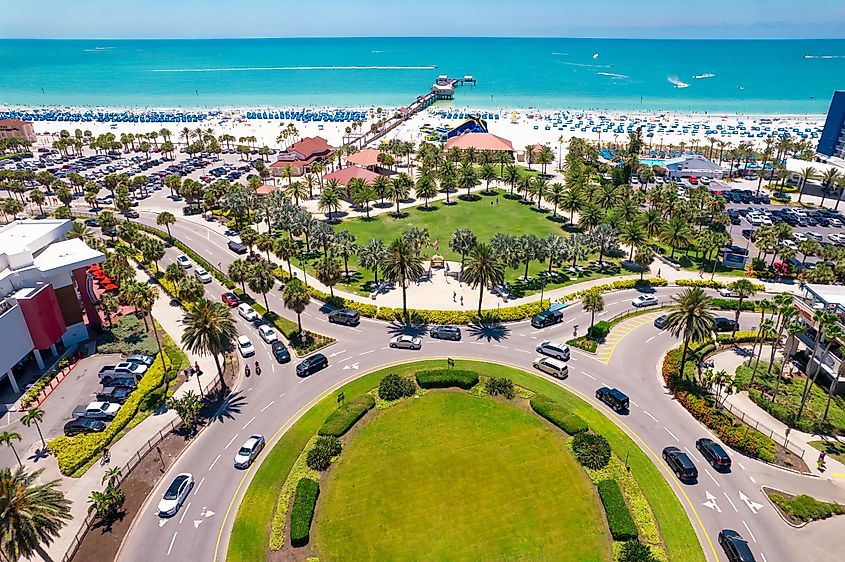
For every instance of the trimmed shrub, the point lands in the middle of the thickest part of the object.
(599, 331)
(302, 512)
(447, 378)
(806, 508)
(341, 420)
(585, 343)
(619, 519)
(732, 304)
(394, 387)
(500, 386)
(591, 449)
(558, 415)
(325, 449)
(635, 551)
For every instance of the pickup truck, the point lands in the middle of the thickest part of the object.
(123, 370)
(547, 318)
(96, 410)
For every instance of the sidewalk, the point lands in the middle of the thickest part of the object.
(78, 489)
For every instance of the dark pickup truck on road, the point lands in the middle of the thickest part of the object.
(547, 318)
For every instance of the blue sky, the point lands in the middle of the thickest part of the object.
(523, 18)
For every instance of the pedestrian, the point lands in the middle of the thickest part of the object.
(197, 368)
(462, 300)
(701, 272)
(497, 200)
(454, 296)
(491, 203)
(658, 272)
(821, 458)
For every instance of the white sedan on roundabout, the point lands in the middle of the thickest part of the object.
(406, 342)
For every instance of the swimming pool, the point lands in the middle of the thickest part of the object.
(652, 161)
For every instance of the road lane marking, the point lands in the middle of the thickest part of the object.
(588, 375)
(521, 351)
(649, 339)
(249, 422)
(184, 512)
(171, 543)
(672, 434)
(747, 528)
(478, 343)
(230, 441)
(752, 479)
(727, 497)
(741, 465)
(635, 404)
(763, 556)
(649, 415)
(502, 346)
(268, 405)
(711, 478)
(345, 359)
(366, 352)
(690, 452)
(197, 489)
(215, 462)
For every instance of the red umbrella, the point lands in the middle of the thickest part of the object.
(111, 287)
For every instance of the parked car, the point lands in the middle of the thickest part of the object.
(660, 321)
(115, 394)
(405, 341)
(184, 261)
(345, 316)
(230, 298)
(83, 425)
(547, 318)
(249, 450)
(735, 547)
(552, 366)
(613, 398)
(713, 453)
(722, 324)
(96, 410)
(247, 312)
(644, 300)
(280, 352)
(175, 494)
(237, 247)
(202, 275)
(267, 333)
(680, 464)
(141, 359)
(245, 346)
(445, 332)
(311, 365)
(727, 293)
(556, 350)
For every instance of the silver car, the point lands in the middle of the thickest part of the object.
(249, 450)
(406, 342)
(553, 349)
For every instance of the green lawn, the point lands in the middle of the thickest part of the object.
(457, 477)
(250, 531)
(693, 261)
(835, 449)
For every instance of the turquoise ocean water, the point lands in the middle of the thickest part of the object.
(714, 76)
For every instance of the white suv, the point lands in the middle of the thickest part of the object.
(556, 350)
(202, 275)
(247, 312)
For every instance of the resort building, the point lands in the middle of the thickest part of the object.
(344, 175)
(832, 364)
(17, 128)
(832, 141)
(481, 141)
(796, 167)
(689, 166)
(367, 158)
(45, 292)
(301, 155)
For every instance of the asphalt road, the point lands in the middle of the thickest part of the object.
(269, 404)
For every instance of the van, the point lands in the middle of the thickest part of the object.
(613, 398)
(551, 366)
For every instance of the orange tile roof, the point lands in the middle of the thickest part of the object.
(480, 141)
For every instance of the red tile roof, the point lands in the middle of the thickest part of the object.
(366, 158)
(345, 174)
(266, 189)
(310, 146)
(480, 141)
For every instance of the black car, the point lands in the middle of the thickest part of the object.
(311, 365)
(345, 316)
(722, 324)
(446, 333)
(237, 247)
(280, 352)
(735, 547)
(660, 321)
(115, 394)
(83, 425)
(680, 464)
(613, 398)
(92, 222)
(547, 318)
(713, 453)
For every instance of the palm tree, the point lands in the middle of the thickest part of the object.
(35, 416)
(296, 191)
(467, 178)
(592, 302)
(400, 189)
(296, 298)
(8, 438)
(511, 176)
(462, 242)
(554, 247)
(572, 201)
(555, 194)
(261, 280)
(239, 272)
(402, 264)
(643, 256)
(190, 289)
(742, 288)
(286, 248)
(210, 330)
(483, 269)
(604, 237)
(766, 328)
(31, 513)
(166, 218)
(425, 188)
(372, 255)
(675, 233)
(792, 330)
(329, 200)
(364, 195)
(327, 270)
(344, 244)
(691, 318)
(807, 174)
(831, 330)
(633, 235)
(487, 174)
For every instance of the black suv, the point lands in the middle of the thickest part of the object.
(613, 398)
(345, 316)
(280, 352)
(713, 453)
(722, 324)
(311, 365)
(237, 247)
(735, 547)
(115, 394)
(680, 464)
(446, 333)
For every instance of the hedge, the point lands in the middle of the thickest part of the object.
(619, 519)
(708, 284)
(618, 286)
(733, 304)
(341, 420)
(592, 450)
(806, 508)
(557, 414)
(446, 378)
(302, 512)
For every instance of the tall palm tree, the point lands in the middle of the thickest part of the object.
(676, 233)
(8, 438)
(592, 302)
(467, 178)
(327, 270)
(402, 264)
(165, 219)
(483, 269)
(296, 298)
(633, 235)
(829, 327)
(372, 255)
(462, 242)
(344, 244)
(31, 513)
(808, 174)
(286, 248)
(239, 272)
(210, 330)
(35, 416)
(261, 279)
(400, 189)
(691, 319)
(742, 288)
(555, 194)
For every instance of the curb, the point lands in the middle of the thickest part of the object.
(778, 510)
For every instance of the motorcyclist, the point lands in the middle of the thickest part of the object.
(257, 368)
(246, 370)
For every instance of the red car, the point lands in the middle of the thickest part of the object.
(231, 299)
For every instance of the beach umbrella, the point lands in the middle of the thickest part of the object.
(111, 287)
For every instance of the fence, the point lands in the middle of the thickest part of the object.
(762, 428)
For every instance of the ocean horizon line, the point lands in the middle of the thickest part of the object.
(393, 37)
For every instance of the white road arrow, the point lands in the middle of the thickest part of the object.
(197, 523)
(162, 521)
(209, 513)
(336, 353)
(352, 366)
(753, 506)
(711, 502)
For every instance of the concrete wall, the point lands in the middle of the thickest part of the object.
(16, 339)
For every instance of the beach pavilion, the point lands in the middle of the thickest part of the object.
(301, 155)
(481, 141)
(344, 175)
(367, 158)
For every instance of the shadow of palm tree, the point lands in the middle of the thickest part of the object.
(489, 330)
(412, 328)
(227, 408)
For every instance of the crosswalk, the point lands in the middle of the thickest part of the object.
(618, 333)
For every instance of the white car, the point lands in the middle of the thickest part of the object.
(184, 261)
(175, 494)
(406, 342)
(556, 350)
(727, 293)
(130, 368)
(835, 222)
(836, 238)
(247, 312)
(267, 333)
(790, 244)
(704, 181)
(754, 220)
(644, 300)
(249, 450)
(799, 236)
(245, 346)
(202, 275)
